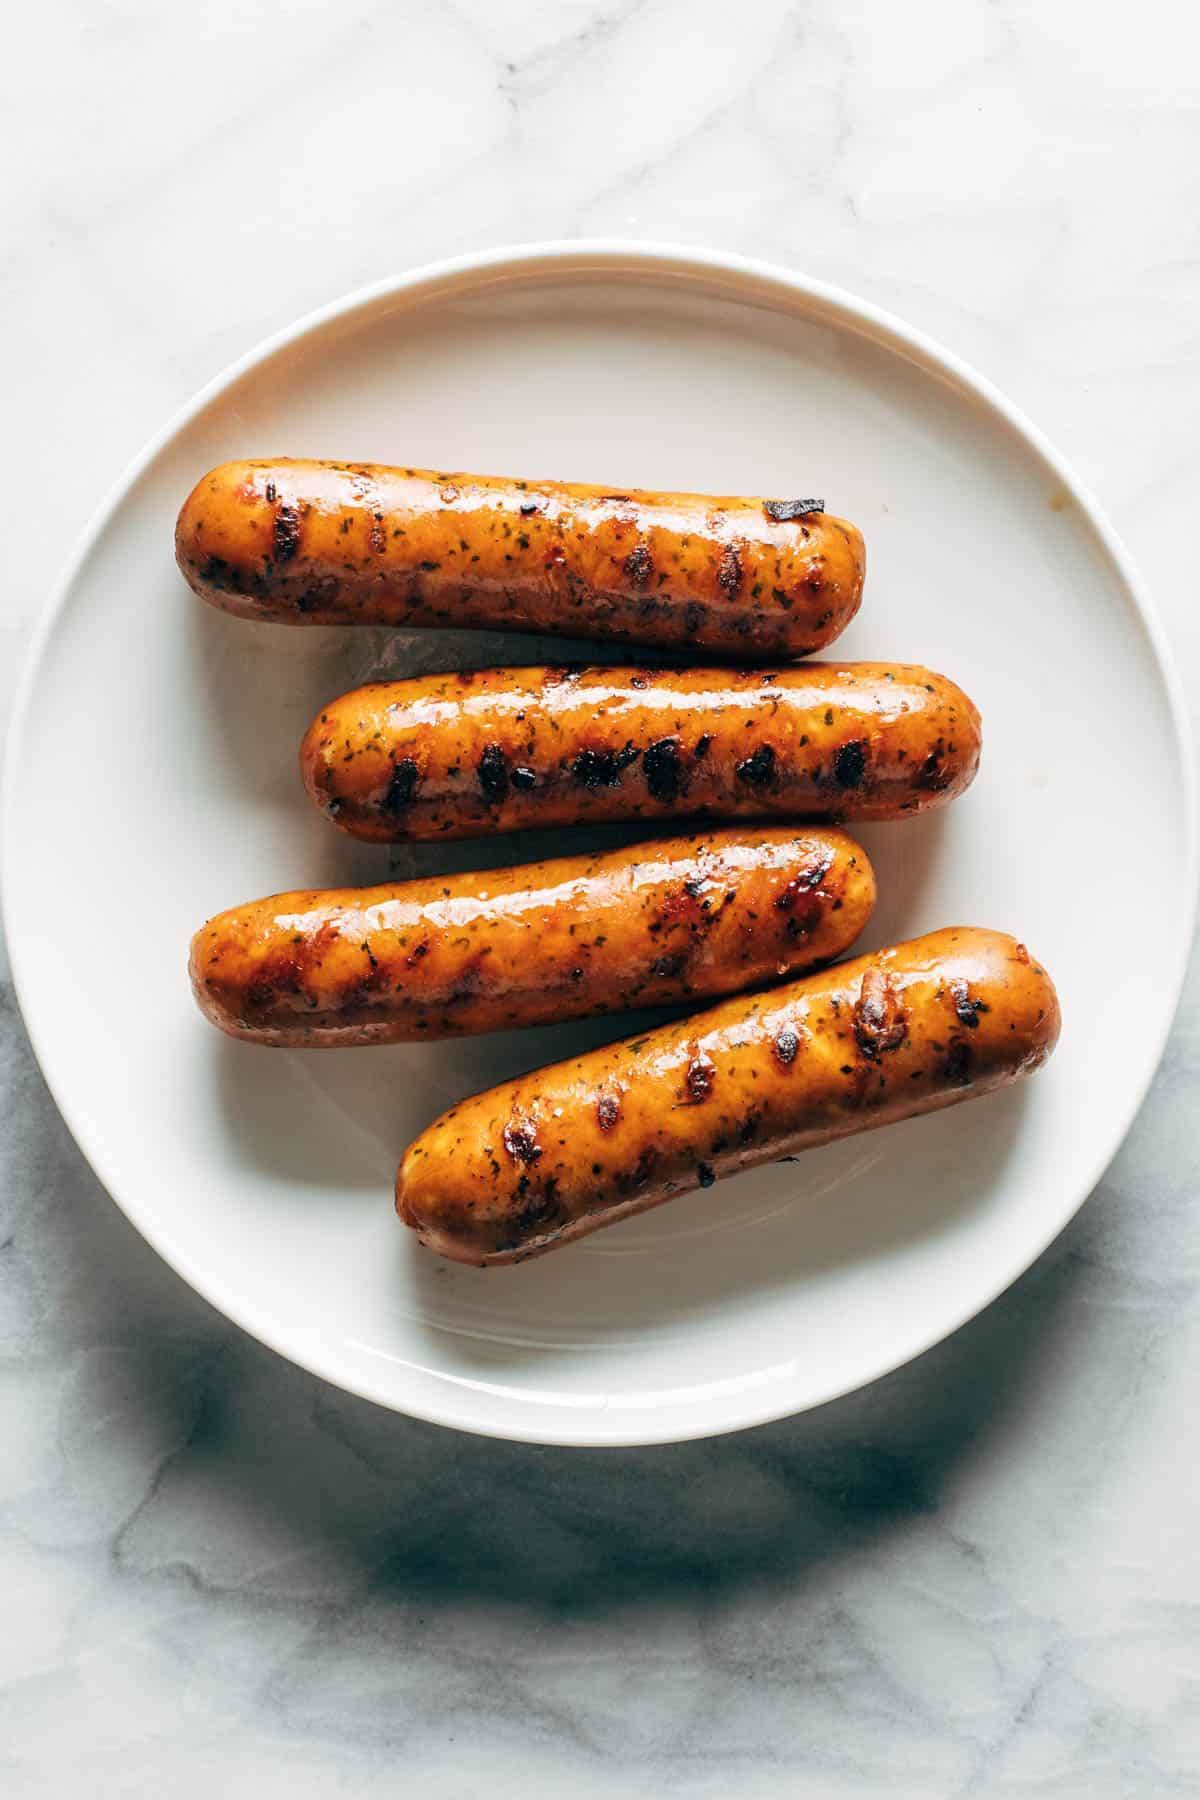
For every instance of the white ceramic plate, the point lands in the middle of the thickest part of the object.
(152, 780)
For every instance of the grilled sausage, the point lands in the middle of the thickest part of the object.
(671, 920)
(562, 1151)
(352, 543)
(498, 749)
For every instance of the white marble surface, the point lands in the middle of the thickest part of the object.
(981, 1576)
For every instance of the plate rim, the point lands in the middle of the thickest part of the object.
(665, 260)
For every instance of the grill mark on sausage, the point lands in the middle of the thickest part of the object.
(880, 1019)
(285, 533)
(520, 1140)
(608, 1111)
(966, 1009)
(799, 898)
(758, 769)
(699, 1079)
(402, 784)
(850, 764)
(639, 566)
(804, 908)
(729, 570)
(660, 764)
(602, 768)
(492, 771)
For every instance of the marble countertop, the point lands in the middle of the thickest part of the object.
(980, 1576)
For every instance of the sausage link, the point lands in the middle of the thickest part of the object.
(461, 755)
(562, 1151)
(353, 543)
(673, 920)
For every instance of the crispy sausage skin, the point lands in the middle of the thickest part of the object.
(672, 920)
(353, 543)
(562, 1151)
(452, 756)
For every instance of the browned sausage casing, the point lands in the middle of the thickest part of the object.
(499, 749)
(562, 1151)
(325, 543)
(676, 919)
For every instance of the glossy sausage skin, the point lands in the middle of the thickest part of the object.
(324, 543)
(676, 919)
(499, 749)
(562, 1151)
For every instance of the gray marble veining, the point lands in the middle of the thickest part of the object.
(980, 1576)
